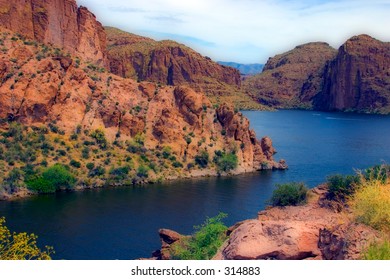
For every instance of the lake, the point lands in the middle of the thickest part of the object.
(122, 223)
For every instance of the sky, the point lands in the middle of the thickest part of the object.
(246, 31)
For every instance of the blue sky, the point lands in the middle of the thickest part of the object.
(246, 31)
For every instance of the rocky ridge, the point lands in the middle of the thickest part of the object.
(315, 76)
(170, 63)
(291, 79)
(60, 23)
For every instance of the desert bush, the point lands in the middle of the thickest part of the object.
(204, 243)
(341, 187)
(225, 161)
(289, 194)
(378, 251)
(371, 204)
(75, 163)
(202, 159)
(143, 171)
(20, 246)
(52, 179)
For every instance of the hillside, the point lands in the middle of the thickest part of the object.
(315, 76)
(291, 79)
(170, 63)
(108, 130)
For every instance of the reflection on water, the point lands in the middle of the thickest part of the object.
(122, 223)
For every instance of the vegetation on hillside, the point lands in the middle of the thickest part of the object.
(21, 246)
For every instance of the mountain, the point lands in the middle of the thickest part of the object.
(62, 106)
(291, 79)
(245, 69)
(60, 23)
(170, 63)
(358, 79)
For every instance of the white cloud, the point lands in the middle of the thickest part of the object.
(247, 30)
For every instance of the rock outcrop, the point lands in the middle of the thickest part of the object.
(358, 79)
(291, 79)
(170, 63)
(298, 232)
(60, 23)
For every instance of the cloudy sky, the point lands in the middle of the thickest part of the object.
(246, 31)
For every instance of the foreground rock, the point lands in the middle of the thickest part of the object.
(298, 232)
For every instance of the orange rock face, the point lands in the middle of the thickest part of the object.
(42, 86)
(58, 22)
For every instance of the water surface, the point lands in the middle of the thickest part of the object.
(122, 223)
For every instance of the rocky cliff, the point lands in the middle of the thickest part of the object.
(358, 79)
(43, 86)
(170, 63)
(291, 79)
(60, 23)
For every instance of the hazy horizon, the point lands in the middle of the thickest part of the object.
(246, 31)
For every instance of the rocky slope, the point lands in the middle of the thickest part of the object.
(358, 79)
(44, 86)
(60, 23)
(170, 63)
(291, 79)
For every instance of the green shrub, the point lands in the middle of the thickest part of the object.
(289, 194)
(120, 172)
(100, 138)
(204, 243)
(226, 161)
(377, 251)
(341, 187)
(377, 172)
(90, 165)
(177, 164)
(52, 179)
(75, 163)
(98, 171)
(202, 159)
(143, 171)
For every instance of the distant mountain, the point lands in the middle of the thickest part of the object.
(356, 77)
(245, 69)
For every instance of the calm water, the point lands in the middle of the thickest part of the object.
(122, 223)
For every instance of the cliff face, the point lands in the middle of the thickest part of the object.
(57, 22)
(291, 79)
(38, 85)
(170, 63)
(358, 78)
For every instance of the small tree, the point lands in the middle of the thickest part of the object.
(289, 194)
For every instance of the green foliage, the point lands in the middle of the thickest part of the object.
(90, 165)
(177, 164)
(52, 179)
(20, 246)
(377, 251)
(120, 172)
(202, 159)
(143, 171)
(225, 161)
(341, 187)
(75, 163)
(289, 194)
(100, 137)
(204, 243)
(96, 172)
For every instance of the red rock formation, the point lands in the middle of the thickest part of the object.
(40, 86)
(358, 78)
(57, 22)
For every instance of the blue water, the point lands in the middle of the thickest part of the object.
(122, 223)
